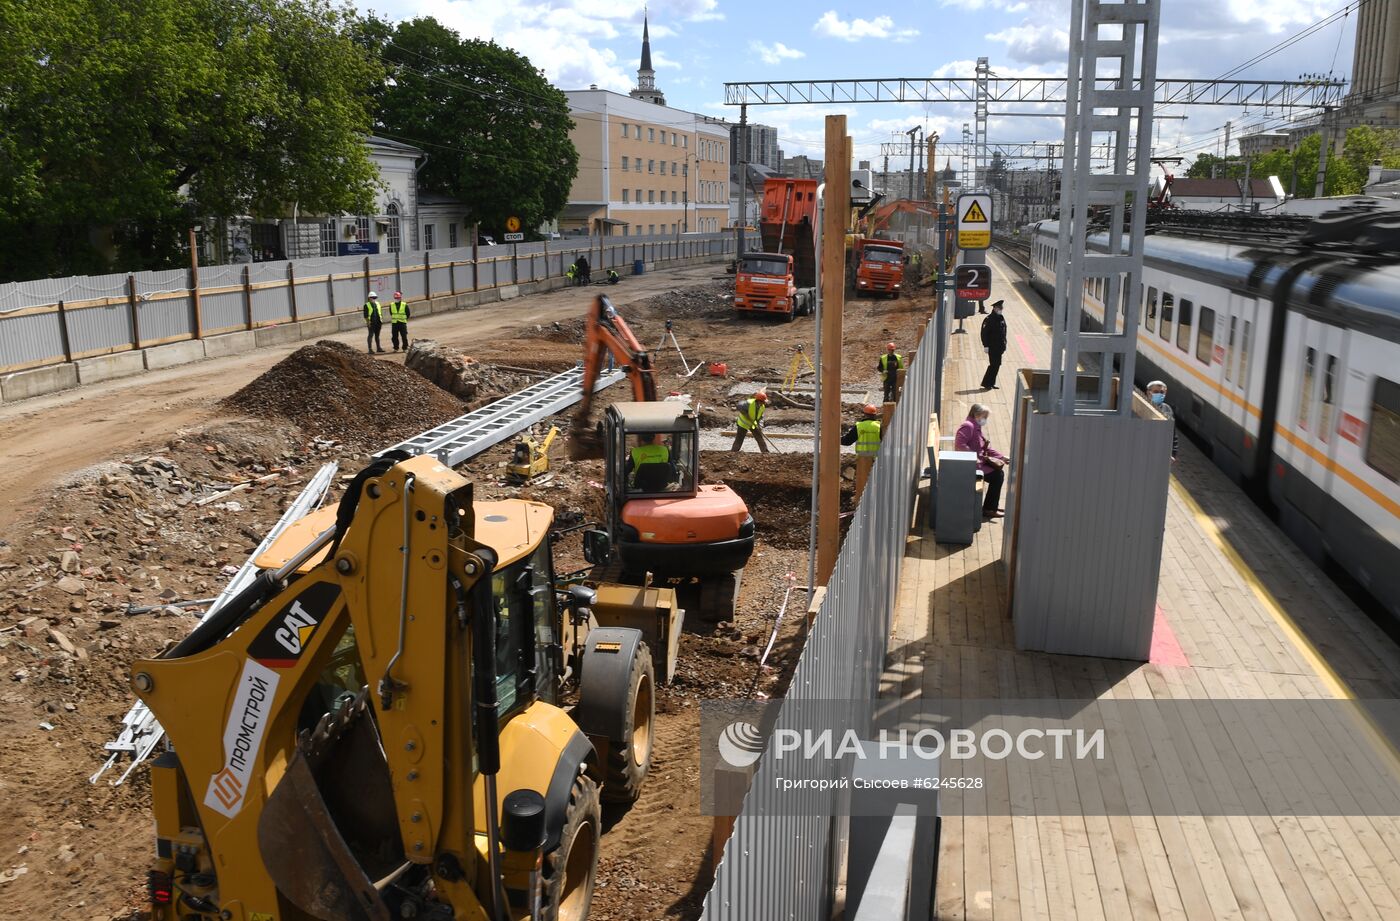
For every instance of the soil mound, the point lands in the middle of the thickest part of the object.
(777, 489)
(471, 381)
(332, 390)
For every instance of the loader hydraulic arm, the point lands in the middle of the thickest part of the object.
(606, 333)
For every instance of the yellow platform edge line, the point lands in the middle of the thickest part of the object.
(1334, 682)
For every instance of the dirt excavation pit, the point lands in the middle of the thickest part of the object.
(335, 391)
(777, 489)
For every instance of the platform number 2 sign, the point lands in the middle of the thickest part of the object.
(973, 281)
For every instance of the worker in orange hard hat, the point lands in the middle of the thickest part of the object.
(750, 421)
(865, 434)
(891, 363)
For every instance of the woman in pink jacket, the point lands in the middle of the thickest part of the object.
(972, 437)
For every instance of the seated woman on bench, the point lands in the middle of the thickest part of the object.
(972, 437)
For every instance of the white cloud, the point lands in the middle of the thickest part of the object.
(775, 53)
(659, 60)
(833, 26)
(1035, 44)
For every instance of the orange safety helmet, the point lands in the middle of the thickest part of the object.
(870, 409)
(761, 396)
(889, 346)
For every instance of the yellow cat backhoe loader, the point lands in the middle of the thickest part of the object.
(372, 729)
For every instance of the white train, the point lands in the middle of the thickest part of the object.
(1284, 360)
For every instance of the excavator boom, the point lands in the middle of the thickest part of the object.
(606, 333)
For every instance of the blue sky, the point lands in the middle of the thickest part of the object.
(697, 45)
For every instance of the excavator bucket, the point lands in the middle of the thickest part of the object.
(587, 442)
(329, 828)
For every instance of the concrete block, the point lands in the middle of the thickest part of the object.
(319, 327)
(428, 308)
(507, 292)
(176, 353)
(38, 381)
(229, 344)
(282, 334)
(107, 367)
(349, 322)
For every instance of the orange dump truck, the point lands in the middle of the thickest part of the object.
(875, 266)
(782, 279)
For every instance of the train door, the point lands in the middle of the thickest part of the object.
(1234, 342)
(1309, 418)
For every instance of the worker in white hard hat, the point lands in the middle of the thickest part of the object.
(374, 322)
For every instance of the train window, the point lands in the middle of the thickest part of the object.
(1205, 339)
(1329, 391)
(1183, 325)
(1305, 394)
(1383, 436)
(1230, 348)
(1244, 354)
(1167, 309)
(1151, 318)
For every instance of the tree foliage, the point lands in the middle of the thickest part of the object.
(137, 114)
(1296, 169)
(495, 131)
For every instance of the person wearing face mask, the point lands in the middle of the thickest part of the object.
(972, 436)
(1157, 393)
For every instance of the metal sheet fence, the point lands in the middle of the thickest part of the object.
(52, 320)
(778, 861)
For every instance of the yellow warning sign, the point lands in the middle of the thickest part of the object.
(974, 221)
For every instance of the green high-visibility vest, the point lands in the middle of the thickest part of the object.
(750, 414)
(398, 312)
(868, 436)
(885, 362)
(372, 311)
(650, 454)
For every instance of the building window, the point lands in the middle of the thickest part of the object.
(1184, 319)
(624, 164)
(673, 196)
(1305, 394)
(451, 235)
(328, 239)
(626, 196)
(429, 235)
(639, 131)
(651, 230)
(395, 237)
(651, 134)
(637, 164)
(675, 141)
(651, 166)
(673, 167)
(639, 196)
(685, 170)
(663, 167)
(1383, 435)
(1205, 339)
(362, 229)
(685, 142)
(651, 196)
(624, 129)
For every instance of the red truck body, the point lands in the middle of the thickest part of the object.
(781, 280)
(875, 266)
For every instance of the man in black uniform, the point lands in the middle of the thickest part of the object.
(994, 341)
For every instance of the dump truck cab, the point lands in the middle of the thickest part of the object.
(660, 518)
(876, 266)
(764, 283)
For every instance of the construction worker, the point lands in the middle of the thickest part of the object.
(650, 463)
(865, 434)
(612, 276)
(585, 272)
(750, 421)
(374, 322)
(398, 321)
(891, 363)
(571, 273)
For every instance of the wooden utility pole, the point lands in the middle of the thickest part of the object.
(198, 319)
(837, 203)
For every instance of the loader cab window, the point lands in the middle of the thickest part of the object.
(660, 463)
(523, 600)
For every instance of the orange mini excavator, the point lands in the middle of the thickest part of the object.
(661, 522)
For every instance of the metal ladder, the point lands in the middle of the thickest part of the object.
(466, 436)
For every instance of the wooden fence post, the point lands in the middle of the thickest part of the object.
(330, 291)
(135, 315)
(248, 296)
(292, 290)
(198, 318)
(63, 332)
(427, 274)
(452, 276)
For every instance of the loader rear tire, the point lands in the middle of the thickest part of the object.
(571, 869)
(630, 759)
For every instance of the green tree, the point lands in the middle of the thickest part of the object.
(124, 118)
(1206, 166)
(496, 132)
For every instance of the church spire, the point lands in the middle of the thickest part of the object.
(646, 77)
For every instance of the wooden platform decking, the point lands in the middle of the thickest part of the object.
(1242, 615)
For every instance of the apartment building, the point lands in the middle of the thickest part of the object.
(645, 168)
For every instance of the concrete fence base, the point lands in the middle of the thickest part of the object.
(22, 385)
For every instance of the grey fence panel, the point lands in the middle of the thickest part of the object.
(382, 263)
(272, 304)
(462, 276)
(98, 329)
(776, 862)
(349, 294)
(313, 297)
(159, 315)
(412, 284)
(30, 338)
(263, 272)
(440, 277)
(222, 310)
(490, 271)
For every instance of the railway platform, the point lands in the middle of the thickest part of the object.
(1242, 615)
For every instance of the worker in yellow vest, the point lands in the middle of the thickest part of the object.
(750, 421)
(865, 434)
(374, 322)
(398, 321)
(650, 463)
(891, 363)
